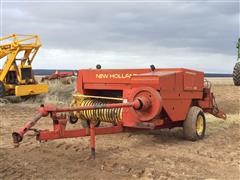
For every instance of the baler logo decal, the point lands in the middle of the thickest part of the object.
(114, 76)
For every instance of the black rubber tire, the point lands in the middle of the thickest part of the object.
(190, 124)
(236, 74)
(73, 119)
(2, 90)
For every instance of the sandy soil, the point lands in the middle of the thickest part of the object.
(161, 154)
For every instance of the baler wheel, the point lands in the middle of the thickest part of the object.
(73, 119)
(2, 90)
(236, 74)
(195, 124)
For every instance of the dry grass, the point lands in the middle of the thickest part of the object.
(58, 93)
(220, 81)
(216, 124)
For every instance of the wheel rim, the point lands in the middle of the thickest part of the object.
(200, 125)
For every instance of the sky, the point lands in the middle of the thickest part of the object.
(76, 34)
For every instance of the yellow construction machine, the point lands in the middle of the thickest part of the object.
(16, 56)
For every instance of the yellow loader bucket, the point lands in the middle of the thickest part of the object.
(32, 89)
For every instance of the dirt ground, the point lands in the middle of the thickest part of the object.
(161, 154)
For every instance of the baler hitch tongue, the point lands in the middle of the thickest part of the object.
(44, 111)
(18, 136)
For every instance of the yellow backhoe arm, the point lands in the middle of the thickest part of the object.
(28, 43)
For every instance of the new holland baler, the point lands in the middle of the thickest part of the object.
(130, 99)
